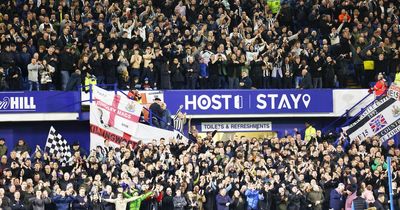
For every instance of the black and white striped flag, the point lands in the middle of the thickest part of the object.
(58, 146)
(381, 118)
(178, 120)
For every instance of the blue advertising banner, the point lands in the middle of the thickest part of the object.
(39, 102)
(208, 102)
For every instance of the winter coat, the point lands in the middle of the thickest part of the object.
(80, 203)
(14, 83)
(66, 62)
(316, 69)
(98, 69)
(33, 71)
(108, 206)
(62, 203)
(222, 202)
(38, 204)
(96, 205)
(247, 82)
(18, 205)
(177, 74)
(265, 200)
(74, 82)
(306, 82)
(151, 75)
(210, 199)
(167, 203)
(165, 75)
(281, 202)
(22, 148)
(252, 198)
(294, 202)
(179, 203)
(239, 204)
(315, 196)
(359, 203)
(110, 70)
(194, 70)
(336, 200)
(233, 69)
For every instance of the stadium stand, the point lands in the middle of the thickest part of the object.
(164, 44)
(200, 44)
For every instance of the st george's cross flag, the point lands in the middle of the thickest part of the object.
(117, 111)
(58, 146)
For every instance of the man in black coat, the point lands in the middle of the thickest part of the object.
(192, 73)
(110, 71)
(156, 110)
(245, 82)
(167, 201)
(14, 77)
(306, 82)
(74, 81)
(66, 66)
(162, 68)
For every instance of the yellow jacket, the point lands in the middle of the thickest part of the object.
(310, 132)
(397, 79)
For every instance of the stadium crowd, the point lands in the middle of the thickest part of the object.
(164, 44)
(296, 172)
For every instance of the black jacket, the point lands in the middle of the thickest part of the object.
(66, 62)
(192, 66)
(110, 69)
(97, 67)
(161, 66)
(151, 75)
(233, 69)
(359, 203)
(73, 82)
(167, 203)
(247, 83)
(306, 82)
(314, 68)
(177, 74)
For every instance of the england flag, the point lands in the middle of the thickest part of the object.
(117, 111)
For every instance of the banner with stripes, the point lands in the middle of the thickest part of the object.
(381, 118)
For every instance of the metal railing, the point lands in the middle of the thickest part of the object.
(346, 115)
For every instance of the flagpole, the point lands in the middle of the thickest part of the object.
(389, 170)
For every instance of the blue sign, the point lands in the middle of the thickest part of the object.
(39, 102)
(205, 102)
